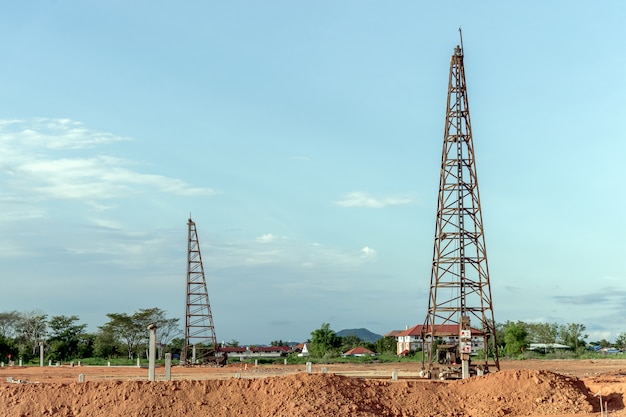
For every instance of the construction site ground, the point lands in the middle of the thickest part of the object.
(521, 388)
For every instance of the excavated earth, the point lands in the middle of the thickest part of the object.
(520, 388)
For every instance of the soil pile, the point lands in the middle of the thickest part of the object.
(511, 393)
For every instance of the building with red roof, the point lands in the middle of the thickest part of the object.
(359, 351)
(410, 339)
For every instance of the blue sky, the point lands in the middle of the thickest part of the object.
(305, 141)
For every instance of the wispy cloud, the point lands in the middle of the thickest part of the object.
(268, 237)
(601, 298)
(274, 249)
(54, 134)
(360, 199)
(41, 161)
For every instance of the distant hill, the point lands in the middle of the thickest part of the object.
(362, 334)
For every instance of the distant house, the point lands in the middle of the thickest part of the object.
(359, 351)
(410, 340)
(302, 349)
(255, 351)
(547, 347)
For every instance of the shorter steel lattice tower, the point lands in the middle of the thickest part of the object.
(200, 344)
(460, 305)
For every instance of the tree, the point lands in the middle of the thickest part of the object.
(543, 332)
(125, 329)
(572, 335)
(31, 330)
(167, 329)
(65, 336)
(620, 341)
(324, 341)
(132, 330)
(515, 337)
(105, 344)
(277, 343)
(387, 344)
(349, 342)
(8, 323)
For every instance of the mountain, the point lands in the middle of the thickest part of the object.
(362, 334)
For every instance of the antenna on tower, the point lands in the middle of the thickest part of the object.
(461, 36)
(460, 309)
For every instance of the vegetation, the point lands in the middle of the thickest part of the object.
(123, 339)
(65, 339)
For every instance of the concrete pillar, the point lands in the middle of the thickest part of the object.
(394, 375)
(309, 366)
(81, 377)
(193, 354)
(108, 363)
(152, 352)
(256, 362)
(40, 354)
(138, 363)
(168, 366)
(285, 361)
(20, 362)
(465, 373)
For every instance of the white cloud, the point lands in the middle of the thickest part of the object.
(40, 162)
(268, 237)
(54, 134)
(368, 252)
(360, 199)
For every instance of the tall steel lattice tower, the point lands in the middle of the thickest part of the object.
(200, 344)
(460, 304)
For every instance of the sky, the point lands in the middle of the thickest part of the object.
(304, 139)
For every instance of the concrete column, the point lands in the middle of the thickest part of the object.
(394, 376)
(309, 367)
(465, 373)
(81, 377)
(168, 366)
(152, 352)
(41, 354)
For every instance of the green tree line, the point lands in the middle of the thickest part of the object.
(65, 339)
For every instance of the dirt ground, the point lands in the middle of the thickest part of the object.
(520, 388)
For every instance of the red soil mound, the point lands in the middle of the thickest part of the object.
(512, 393)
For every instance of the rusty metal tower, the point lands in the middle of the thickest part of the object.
(200, 344)
(460, 304)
